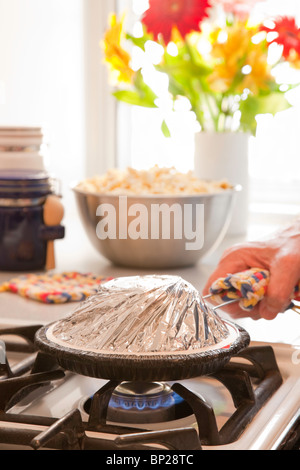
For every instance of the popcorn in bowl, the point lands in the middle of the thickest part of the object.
(154, 219)
(155, 181)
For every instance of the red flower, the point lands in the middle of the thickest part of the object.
(288, 35)
(163, 15)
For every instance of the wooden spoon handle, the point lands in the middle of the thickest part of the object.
(50, 258)
(53, 215)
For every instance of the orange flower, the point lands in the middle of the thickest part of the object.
(228, 50)
(117, 57)
(238, 61)
(294, 59)
(259, 74)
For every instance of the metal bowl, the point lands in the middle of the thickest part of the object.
(156, 231)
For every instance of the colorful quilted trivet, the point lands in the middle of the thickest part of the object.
(250, 286)
(55, 288)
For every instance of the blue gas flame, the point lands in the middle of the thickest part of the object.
(145, 403)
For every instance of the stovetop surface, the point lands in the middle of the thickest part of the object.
(241, 413)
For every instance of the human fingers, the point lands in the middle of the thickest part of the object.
(284, 276)
(236, 259)
(229, 263)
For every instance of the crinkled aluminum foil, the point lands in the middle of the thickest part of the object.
(147, 314)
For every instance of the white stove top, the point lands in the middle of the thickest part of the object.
(266, 431)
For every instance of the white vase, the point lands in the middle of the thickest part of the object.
(225, 155)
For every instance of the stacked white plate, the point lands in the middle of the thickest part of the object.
(21, 148)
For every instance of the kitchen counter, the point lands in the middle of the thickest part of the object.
(75, 253)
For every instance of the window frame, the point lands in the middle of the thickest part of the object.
(100, 105)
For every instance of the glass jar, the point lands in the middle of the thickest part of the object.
(23, 234)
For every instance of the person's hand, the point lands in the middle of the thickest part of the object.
(280, 254)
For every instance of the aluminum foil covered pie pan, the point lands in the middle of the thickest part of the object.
(143, 329)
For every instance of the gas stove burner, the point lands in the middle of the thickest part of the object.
(143, 403)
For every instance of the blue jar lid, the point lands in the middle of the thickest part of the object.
(16, 184)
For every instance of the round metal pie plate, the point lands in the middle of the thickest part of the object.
(143, 367)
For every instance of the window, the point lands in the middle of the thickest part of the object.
(52, 75)
(42, 78)
(274, 155)
(141, 142)
(274, 161)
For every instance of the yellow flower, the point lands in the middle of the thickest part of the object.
(176, 37)
(259, 74)
(117, 57)
(294, 59)
(229, 47)
(239, 62)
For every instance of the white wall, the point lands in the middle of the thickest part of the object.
(42, 76)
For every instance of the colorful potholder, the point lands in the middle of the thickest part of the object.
(250, 286)
(55, 288)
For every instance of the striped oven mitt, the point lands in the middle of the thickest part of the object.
(250, 286)
(55, 288)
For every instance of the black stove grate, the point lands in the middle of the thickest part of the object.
(251, 377)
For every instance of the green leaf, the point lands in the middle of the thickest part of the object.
(184, 69)
(142, 96)
(274, 103)
(255, 105)
(165, 129)
(133, 98)
(139, 42)
(176, 88)
(143, 89)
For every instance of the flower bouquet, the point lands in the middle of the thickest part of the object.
(216, 55)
